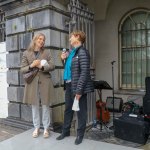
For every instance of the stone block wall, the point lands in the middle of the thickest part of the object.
(22, 22)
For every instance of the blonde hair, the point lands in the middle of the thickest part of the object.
(81, 34)
(32, 44)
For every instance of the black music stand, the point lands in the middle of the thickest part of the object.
(100, 85)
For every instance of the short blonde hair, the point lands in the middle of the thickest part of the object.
(81, 34)
(32, 44)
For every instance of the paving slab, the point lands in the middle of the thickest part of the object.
(24, 141)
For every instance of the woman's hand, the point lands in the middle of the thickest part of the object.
(35, 63)
(78, 96)
(64, 55)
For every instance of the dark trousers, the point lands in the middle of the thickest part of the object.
(68, 115)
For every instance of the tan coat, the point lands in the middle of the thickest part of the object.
(42, 80)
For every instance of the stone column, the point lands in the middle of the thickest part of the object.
(23, 20)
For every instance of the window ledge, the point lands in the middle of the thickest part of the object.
(130, 92)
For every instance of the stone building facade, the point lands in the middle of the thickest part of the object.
(23, 19)
(109, 19)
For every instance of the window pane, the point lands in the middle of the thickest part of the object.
(135, 50)
(148, 52)
(138, 80)
(139, 17)
(124, 57)
(127, 25)
(123, 40)
(129, 79)
(148, 37)
(137, 54)
(138, 38)
(143, 38)
(124, 79)
(124, 68)
(128, 39)
(129, 55)
(148, 22)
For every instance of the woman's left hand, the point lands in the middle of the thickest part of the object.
(39, 66)
(78, 96)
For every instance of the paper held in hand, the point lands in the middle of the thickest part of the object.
(75, 106)
(44, 62)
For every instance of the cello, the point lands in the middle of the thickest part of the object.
(102, 113)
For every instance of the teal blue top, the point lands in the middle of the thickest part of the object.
(67, 71)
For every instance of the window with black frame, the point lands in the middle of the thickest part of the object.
(2, 27)
(134, 36)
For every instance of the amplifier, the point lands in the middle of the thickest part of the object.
(118, 102)
(133, 129)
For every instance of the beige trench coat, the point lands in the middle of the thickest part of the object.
(42, 82)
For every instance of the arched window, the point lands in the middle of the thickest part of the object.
(134, 33)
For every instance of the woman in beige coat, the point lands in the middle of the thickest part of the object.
(41, 88)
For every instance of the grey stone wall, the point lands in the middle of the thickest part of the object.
(22, 22)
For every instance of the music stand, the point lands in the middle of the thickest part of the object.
(100, 85)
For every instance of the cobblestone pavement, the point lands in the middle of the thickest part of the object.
(7, 132)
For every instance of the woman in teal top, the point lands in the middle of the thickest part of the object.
(77, 84)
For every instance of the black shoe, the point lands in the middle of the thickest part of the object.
(62, 136)
(78, 140)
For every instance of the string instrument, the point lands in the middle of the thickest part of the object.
(102, 112)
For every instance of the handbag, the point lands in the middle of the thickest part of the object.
(29, 76)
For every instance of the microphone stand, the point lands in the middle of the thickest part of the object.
(112, 63)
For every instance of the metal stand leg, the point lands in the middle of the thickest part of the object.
(100, 121)
(112, 63)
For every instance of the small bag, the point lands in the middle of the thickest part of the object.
(75, 106)
(29, 76)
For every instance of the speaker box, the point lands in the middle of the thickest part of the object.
(118, 102)
(132, 129)
(146, 104)
(147, 85)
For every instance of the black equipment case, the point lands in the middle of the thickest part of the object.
(146, 98)
(133, 129)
